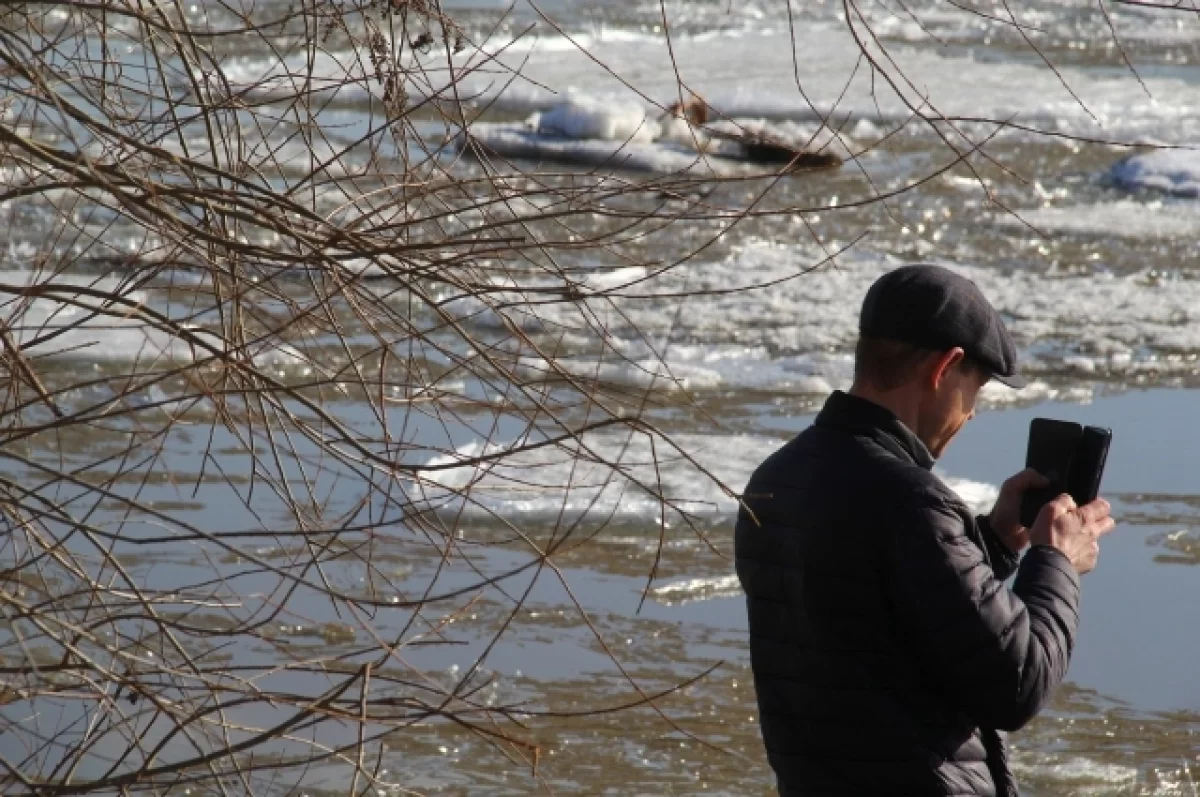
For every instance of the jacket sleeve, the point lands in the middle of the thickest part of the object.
(996, 653)
(1002, 560)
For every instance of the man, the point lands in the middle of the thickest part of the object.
(888, 654)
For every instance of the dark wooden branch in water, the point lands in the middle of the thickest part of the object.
(758, 148)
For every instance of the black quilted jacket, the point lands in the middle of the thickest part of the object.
(887, 653)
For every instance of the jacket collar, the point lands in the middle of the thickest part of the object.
(861, 417)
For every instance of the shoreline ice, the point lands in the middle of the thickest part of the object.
(607, 476)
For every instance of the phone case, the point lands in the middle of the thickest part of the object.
(1051, 452)
(1088, 467)
(1071, 456)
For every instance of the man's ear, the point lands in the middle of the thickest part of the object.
(944, 364)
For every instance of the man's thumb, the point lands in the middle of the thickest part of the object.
(1028, 478)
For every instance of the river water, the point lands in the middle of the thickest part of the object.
(1092, 259)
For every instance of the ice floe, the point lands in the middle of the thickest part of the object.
(584, 116)
(72, 322)
(1172, 171)
(798, 335)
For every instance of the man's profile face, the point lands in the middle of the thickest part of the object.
(949, 405)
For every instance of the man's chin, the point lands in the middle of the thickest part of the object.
(941, 446)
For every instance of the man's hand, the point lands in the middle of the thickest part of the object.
(1074, 530)
(1005, 519)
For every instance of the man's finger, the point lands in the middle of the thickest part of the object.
(1062, 505)
(1104, 526)
(1026, 479)
(1096, 510)
(1055, 509)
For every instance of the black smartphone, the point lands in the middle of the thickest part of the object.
(1051, 452)
(1088, 467)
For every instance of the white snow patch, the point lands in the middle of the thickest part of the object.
(583, 116)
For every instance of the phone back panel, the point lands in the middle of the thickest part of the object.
(1051, 450)
(1052, 447)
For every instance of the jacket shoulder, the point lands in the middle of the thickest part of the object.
(825, 474)
(821, 454)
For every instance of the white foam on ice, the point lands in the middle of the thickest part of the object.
(1173, 171)
(613, 474)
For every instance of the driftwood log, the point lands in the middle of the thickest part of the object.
(759, 148)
